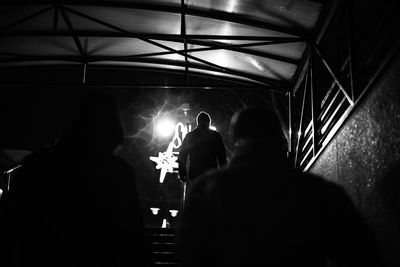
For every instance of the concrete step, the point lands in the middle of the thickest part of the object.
(164, 256)
(163, 246)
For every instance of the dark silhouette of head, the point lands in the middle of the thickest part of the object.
(203, 120)
(98, 126)
(259, 124)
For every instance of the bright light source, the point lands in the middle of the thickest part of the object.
(213, 128)
(1, 193)
(165, 128)
(154, 210)
(164, 223)
(173, 213)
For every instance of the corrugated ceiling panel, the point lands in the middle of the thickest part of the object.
(176, 2)
(108, 46)
(289, 13)
(44, 21)
(289, 50)
(171, 57)
(250, 64)
(39, 46)
(40, 63)
(194, 71)
(111, 46)
(139, 64)
(11, 14)
(206, 26)
(132, 20)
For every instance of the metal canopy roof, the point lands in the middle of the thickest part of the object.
(256, 43)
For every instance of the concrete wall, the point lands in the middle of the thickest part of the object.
(364, 157)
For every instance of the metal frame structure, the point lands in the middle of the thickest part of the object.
(318, 124)
(63, 9)
(313, 131)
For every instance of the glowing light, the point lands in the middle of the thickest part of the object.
(166, 161)
(165, 127)
(1, 193)
(213, 128)
(299, 133)
(173, 213)
(164, 223)
(12, 169)
(154, 211)
(185, 107)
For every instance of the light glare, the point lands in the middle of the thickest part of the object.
(173, 213)
(154, 210)
(165, 128)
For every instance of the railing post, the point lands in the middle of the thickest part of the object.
(312, 98)
(84, 72)
(349, 47)
(332, 74)
(301, 116)
(290, 122)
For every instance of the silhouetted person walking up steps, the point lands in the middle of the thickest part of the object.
(76, 204)
(204, 147)
(259, 211)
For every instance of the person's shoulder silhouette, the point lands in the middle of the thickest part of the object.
(76, 204)
(260, 211)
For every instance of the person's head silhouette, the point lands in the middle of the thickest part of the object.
(203, 120)
(258, 124)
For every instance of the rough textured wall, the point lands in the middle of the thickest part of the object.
(364, 157)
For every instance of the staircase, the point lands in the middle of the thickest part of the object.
(162, 241)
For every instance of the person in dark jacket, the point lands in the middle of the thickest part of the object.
(260, 211)
(204, 147)
(76, 204)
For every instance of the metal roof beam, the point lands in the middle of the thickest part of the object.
(72, 32)
(189, 10)
(135, 86)
(166, 37)
(325, 16)
(240, 48)
(215, 66)
(14, 58)
(244, 84)
(55, 18)
(159, 69)
(208, 47)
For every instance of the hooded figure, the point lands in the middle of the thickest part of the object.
(259, 211)
(76, 204)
